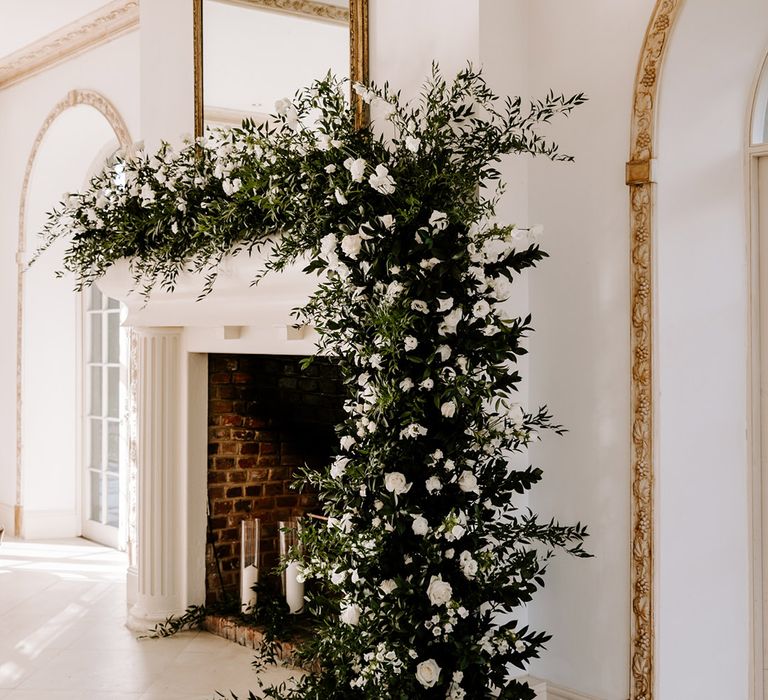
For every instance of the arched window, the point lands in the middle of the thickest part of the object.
(759, 127)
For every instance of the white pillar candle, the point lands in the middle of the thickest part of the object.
(249, 575)
(294, 589)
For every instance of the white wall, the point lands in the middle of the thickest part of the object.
(702, 341)
(580, 350)
(112, 70)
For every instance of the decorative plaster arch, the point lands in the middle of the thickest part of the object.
(73, 98)
(641, 184)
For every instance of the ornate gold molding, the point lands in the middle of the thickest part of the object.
(116, 121)
(95, 28)
(308, 8)
(640, 181)
(358, 56)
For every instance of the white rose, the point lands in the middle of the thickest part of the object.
(387, 221)
(346, 442)
(502, 288)
(429, 264)
(427, 673)
(444, 351)
(356, 167)
(328, 245)
(445, 304)
(382, 181)
(468, 482)
(330, 168)
(412, 143)
(448, 409)
(427, 384)
(281, 106)
(388, 586)
(410, 343)
(481, 309)
(340, 198)
(351, 244)
(339, 467)
(323, 142)
(338, 577)
(406, 384)
(439, 591)
(450, 322)
(468, 565)
(396, 483)
(350, 615)
(420, 306)
(433, 484)
(516, 415)
(439, 220)
(420, 526)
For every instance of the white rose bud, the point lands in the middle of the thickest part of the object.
(448, 409)
(468, 482)
(410, 342)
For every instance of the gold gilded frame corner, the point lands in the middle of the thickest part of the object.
(641, 196)
(358, 54)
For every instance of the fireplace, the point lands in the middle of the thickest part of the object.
(266, 417)
(178, 343)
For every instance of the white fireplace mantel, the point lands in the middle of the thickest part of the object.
(236, 316)
(174, 335)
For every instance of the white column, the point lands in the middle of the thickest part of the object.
(160, 557)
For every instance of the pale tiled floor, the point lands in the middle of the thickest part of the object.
(63, 635)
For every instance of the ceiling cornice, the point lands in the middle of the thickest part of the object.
(96, 28)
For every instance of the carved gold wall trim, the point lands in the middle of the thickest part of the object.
(95, 28)
(640, 181)
(309, 8)
(116, 121)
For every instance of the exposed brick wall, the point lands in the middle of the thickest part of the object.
(266, 416)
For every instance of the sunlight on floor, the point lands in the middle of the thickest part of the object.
(63, 634)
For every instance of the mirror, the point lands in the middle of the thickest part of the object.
(251, 53)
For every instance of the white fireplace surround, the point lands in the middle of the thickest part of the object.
(175, 333)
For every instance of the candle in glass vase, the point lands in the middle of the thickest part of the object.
(249, 562)
(293, 589)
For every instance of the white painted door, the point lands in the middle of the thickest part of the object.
(104, 401)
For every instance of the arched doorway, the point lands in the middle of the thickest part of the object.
(50, 349)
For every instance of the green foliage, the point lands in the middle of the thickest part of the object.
(428, 553)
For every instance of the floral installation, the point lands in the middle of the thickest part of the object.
(425, 558)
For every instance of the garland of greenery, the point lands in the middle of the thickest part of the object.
(426, 557)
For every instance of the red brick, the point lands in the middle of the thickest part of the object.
(217, 406)
(220, 378)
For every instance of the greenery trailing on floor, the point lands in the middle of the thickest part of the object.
(428, 555)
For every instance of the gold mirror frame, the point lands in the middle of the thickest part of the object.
(639, 178)
(358, 50)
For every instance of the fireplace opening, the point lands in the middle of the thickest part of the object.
(266, 417)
